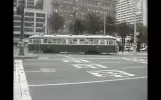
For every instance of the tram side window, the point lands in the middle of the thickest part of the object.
(64, 41)
(70, 41)
(75, 41)
(95, 41)
(35, 41)
(91, 41)
(59, 41)
(30, 40)
(112, 42)
(81, 41)
(102, 41)
(86, 41)
(49, 40)
(107, 42)
(55, 41)
(45, 40)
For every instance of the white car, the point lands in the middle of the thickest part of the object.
(144, 49)
(126, 48)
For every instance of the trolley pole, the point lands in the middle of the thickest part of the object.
(21, 51)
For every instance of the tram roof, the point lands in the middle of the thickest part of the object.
(72, 36)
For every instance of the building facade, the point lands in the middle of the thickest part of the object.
(81, 7)
(125, 11)
(35, 21)
(29, 4)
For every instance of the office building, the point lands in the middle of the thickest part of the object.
(125, 11)
(66, 7)
(35, 21)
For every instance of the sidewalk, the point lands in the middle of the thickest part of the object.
(27, 55)
(21, 90)
(132, 53)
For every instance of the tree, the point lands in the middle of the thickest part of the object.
(78, 26)
(56, 22)
(110, 24)
(143, 32)
(39, 4)
(123, 29)
(92, 23)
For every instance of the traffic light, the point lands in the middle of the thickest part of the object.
(18, 10)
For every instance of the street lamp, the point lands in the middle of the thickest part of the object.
(21, 43)
(134, 46)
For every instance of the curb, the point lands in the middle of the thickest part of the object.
(25, 57)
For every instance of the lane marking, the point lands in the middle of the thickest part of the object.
(87, 82)
(99, 58)
(110, 73)
(22, 82)
(89, 66)
(65, 56)
(110, 62)
(76, 60)
(136, 60)
(43, 59)
(39, 71)
(133, 67)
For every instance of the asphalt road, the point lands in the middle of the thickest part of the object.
(87, 77)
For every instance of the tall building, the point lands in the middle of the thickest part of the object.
(66, 7)
(145, 21)
(30, 4)
(35, 20)
(125, 11)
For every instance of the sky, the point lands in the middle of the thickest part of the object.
(145, 12)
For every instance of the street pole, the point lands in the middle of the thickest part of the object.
(74, 17)
(104, 23)
(135, 5)
(21, 51)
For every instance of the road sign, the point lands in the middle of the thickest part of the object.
(137, 33)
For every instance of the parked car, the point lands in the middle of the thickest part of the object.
(144, 49)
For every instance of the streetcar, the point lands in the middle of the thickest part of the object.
(73, 43)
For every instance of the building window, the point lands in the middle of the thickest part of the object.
(30, 3)
(29, 24)
(40, 15)
(17, 29)
(28, 29)
(29, 14)
(28, 6)
(17, 23)
(39, 25)
(39, 29)
(29, 19)
(17, 18)
(40, 20)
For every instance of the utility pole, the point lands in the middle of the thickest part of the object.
(135, 5)
(21, 43)
(74, 16)
(104, 23)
